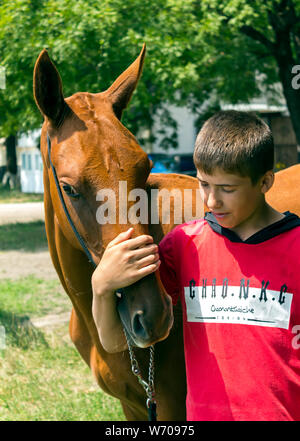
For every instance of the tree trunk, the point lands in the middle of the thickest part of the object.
(285, 61)
(292, 96)
(11, 155)
(10, 176)
(284, 20)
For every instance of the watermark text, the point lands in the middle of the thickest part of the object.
(296, 78)
(154, 207)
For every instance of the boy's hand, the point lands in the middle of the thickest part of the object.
(125, 261)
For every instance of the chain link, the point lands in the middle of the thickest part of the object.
(148, 387)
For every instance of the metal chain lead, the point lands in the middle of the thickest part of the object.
(148, 387)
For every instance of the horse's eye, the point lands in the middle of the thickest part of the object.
(70, 191)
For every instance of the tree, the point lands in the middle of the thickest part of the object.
(92, 42)
(196, 51)
(284, 47)
(246, 38)
(17, 24)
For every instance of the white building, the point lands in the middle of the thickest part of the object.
(30, 163)
(186, 133)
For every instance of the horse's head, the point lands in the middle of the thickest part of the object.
(92, 151)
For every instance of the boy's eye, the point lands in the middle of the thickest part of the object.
(225, 189)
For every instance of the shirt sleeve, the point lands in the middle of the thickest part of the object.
(167, 269)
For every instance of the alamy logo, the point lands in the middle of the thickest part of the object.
(241, 304)
(138, 206)
(296, 78)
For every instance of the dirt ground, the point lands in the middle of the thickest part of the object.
(21, 212)
(15, 264)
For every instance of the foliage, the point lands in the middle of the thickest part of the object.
(92, 43)
(196, 50)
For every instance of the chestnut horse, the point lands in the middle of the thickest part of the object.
(91, 150)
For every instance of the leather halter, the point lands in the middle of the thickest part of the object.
(78, 236)
(148, 387)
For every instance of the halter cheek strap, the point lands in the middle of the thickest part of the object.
(78, 236)
(149, 387)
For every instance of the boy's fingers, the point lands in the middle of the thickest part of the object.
(148, 260)
(139, 241)
(145, 251)
(131, 244)
(148, 269)
(121, 237)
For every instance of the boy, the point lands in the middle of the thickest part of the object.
(236, 273)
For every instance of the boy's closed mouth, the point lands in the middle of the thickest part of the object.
(219, 214)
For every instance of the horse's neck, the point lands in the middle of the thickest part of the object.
(168, 182)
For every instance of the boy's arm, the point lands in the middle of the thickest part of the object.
(107, 321)
(124, 261)
(168, 270)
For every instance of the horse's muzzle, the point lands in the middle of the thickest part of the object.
(146, 316)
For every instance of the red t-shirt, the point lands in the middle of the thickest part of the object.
(241, 319)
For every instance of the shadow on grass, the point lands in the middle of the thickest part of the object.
(15, 196)
(30, 236)
(20, 332)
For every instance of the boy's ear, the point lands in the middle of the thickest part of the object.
(267, 181)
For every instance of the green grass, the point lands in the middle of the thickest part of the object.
(33, 296)
(14, 196)
(43, 378)
(51, 384)
(29, 236)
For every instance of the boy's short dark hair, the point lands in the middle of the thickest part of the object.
(237, 142)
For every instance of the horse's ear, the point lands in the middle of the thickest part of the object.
(123, 87)
(47, 90)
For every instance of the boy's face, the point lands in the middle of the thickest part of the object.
(232, 198)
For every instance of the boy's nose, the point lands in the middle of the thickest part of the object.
(213, 201)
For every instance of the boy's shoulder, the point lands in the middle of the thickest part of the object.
(190, 228)
(290, 225)
(284, 229)
(181, 233)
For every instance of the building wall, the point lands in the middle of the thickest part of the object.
(29, 163)
(186, 132)
(2, 153)
(286, 150)
(2, 159)
(31, 170)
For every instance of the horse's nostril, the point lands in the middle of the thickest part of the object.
(138, 325)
